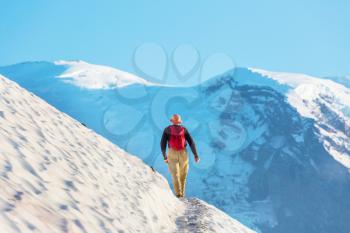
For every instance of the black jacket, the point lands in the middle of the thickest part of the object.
(166, 137)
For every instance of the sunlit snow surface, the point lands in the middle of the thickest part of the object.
(274, 147)
(91, 76)
(58, 176)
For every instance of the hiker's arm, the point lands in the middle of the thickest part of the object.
(190, 141)
(163, 142)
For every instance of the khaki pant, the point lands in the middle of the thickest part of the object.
(178, 167)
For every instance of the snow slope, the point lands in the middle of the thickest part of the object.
(344, 80)
(92, 76)
(58, 176)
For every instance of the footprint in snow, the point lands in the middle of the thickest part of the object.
(191, 221)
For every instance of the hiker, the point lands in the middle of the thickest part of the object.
(176, 136)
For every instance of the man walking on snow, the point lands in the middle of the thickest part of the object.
(176, 136)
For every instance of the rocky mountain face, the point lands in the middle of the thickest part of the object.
(291, 182)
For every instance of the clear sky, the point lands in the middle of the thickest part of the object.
(308, 36)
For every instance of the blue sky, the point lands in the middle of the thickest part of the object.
(308, 36)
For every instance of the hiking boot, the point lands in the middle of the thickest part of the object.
(180, 196)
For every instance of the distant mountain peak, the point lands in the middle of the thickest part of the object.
(91, 76)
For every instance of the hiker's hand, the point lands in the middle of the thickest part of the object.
(196, 159)
(165, 160)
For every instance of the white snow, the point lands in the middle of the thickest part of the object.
(59, 176)
(92, 76)
(291, 79)
(307, 94)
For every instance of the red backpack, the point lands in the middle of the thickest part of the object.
(177, 140)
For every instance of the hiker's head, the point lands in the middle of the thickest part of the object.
(176, 119)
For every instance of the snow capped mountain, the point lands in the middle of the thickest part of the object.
(326, 102)
(59, 176)
(78, 73)
(274, 147)
(283, 170)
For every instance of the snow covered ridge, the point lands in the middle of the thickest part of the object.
(58, 176)
(325, 101)
(92, 76)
